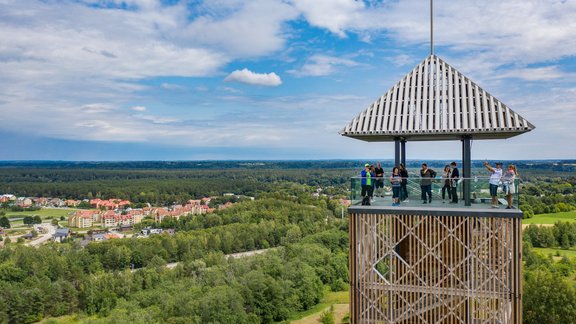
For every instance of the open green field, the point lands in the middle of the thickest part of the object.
(571, 253)
(330, 298)
(44, 213)
(551, 218)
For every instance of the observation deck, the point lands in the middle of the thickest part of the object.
(437, 262)
(480, 198)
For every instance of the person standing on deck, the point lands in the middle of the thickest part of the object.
(426, 176)
(404, 183)
(495, 175)
(508, 184)
(366, 183)
(395, 180)
(379, 180)
(455, 176)
(446, 183)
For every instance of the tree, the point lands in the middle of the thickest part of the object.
(37, 219)
(4, 222)
(327, 317)
(548, 298)
(222, 304)
(28, 220)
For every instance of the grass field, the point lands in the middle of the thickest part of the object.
(313, 314)
(44, 213)
(571, 253)
(551, 218)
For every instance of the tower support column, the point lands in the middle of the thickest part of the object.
(397, 151)
(403, 151)
(466, 167)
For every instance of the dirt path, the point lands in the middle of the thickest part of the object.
(340, 310)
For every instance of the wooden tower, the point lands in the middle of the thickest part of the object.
(435, 265)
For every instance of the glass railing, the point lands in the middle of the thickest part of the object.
(438, 193)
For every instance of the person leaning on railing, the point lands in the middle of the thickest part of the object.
(508, 183)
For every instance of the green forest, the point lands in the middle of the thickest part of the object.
(305, 238)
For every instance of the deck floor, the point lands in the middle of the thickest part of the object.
(415, 201)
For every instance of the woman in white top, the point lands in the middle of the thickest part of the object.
(508, 182)
(495, 175)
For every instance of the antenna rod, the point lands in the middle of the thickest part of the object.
(431, 28)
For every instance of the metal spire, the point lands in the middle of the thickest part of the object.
(431, 28)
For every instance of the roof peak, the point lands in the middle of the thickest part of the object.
(435, 101)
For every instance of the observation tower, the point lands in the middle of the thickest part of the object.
(432, 263)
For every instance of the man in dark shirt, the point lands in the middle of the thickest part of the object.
(379, 180)
(426, 176)
(454, 183)
(404, 183)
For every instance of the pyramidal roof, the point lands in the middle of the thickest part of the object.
(436, 102)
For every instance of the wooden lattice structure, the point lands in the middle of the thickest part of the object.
(435, 265)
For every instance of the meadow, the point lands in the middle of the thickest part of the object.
(551, 218)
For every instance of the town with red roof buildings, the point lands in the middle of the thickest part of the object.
(106, 217)
(111, 213)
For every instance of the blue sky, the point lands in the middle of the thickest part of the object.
(267, 79)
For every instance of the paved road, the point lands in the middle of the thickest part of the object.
(234, 256)
(43, 238)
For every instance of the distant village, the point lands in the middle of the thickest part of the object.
(103, 219)
(110, 214)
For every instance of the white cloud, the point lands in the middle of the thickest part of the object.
(500, 32)
(97, 108)
(156, 119)
(68, 65)
(249, 77)
(170, 86)
(240, 28)
(535, 74)
(402, 60)
(321, 65)
(334, 15)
